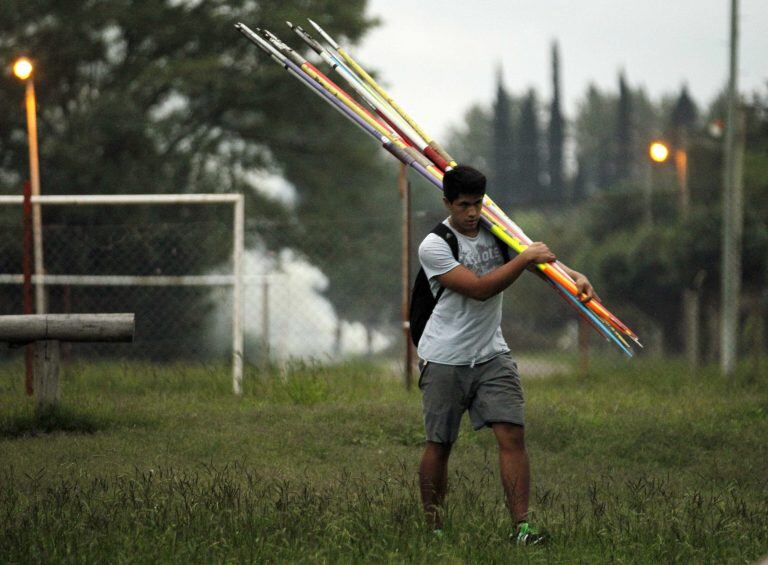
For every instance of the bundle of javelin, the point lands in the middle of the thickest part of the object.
(399, 134)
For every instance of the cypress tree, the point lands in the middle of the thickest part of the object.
(503, 166)
(530, 162)
(623, 156)
(556, 133)
(683, 117)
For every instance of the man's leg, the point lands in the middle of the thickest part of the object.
(433, 480)
(514, 467)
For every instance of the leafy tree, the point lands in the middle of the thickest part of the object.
(609, 131)
(165, 97)
(649, 265)
(471, 141)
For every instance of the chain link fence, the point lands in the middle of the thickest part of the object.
(173, 267)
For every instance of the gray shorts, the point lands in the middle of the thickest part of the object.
(491, 391)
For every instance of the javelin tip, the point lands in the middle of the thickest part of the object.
(322, 32)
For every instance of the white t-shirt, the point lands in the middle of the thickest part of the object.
(461, 330)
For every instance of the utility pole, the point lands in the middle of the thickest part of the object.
(733, 213)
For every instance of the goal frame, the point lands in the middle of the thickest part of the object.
(235, 280)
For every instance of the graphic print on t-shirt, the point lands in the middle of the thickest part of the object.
(480, 258)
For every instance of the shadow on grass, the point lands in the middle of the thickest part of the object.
(59, 420)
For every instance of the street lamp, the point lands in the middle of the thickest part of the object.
(659, 153)
(24, 69)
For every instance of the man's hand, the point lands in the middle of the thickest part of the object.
(584, 287)
(538, 252)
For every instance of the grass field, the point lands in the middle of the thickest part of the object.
(162, 463)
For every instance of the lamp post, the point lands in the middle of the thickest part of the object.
(23, 69)
(660, 152)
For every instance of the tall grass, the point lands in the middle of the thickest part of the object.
(318, 464)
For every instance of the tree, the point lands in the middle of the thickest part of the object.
(504, 165)
(556, 138)
(530, 161)
(471, 141)
(612, 137)
(165, 97)
(682, 121)
(622, 166)
(594, 129)
(684, 114)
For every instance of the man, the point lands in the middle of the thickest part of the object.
(466, 363)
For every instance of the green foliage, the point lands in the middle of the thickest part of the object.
(625, 228)
(469, 142)
(166, 97)
(592, 131)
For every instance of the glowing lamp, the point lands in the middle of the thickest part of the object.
(23, 68)
(658, 151)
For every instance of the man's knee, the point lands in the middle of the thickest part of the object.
(510, 437)
(438, 450)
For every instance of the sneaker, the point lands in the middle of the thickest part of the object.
(528, 534)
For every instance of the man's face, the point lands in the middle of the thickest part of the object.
(465, 212)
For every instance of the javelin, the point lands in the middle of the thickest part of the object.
(436, 147)
(393, 143)
(552, 270)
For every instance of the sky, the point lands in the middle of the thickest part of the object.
(437, 58)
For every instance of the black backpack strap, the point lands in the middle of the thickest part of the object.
(446, 234)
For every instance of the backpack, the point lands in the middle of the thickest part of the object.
(423, 302)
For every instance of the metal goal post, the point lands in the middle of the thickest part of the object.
(235, 279)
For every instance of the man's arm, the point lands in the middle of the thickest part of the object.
(462, 280)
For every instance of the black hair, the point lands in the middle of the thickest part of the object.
(463, 179)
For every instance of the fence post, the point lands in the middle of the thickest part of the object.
(47, 390)
(29, 350)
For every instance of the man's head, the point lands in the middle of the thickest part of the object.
(463, 180)
(463, 192)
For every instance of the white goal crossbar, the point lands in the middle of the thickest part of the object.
(235, 280)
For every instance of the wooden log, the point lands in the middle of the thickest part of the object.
(67, 327)
(47, 390)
